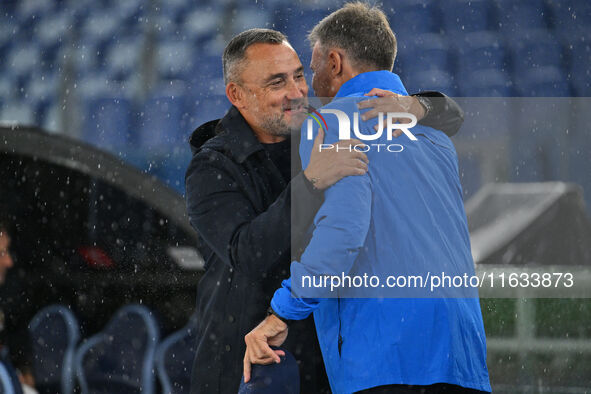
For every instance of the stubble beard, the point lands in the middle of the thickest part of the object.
(277, 125)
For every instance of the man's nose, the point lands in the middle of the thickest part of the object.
(295, 90)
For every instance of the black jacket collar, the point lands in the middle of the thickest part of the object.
(238, 137)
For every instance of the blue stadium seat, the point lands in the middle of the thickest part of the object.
(8, 86)
(120, 358)
(580, 64)
(207, 76)
(9, 32)
(514, 16)
(30, 13)
(250, 15)
(130, 12)
(174, 359)
(424, 52)
(54, 335)
(124, 57)
(203, 109)
(27, 9)
(18, 112)
(42, 92)
(174, 59)
(169, 167)
(23, 60)
(534, 48)
(161, 124)
(430, 80)
(202, 22)
(465, 16)
(409, 17)
(107, 122)
(84, 55)
(543, 82)
(480, 50)
(51, 120)
(101, 27)
(570, 17)
(52, 31)
(175, 10)
(485, 83)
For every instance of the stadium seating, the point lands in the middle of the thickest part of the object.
(115, 56)
(54, 335)
(410, 17)
(174, 59)
(424, 52)
(23, 61)
(570, 17)
(161, 123)
(486, 83)
(296, 23)
(579, 53)
(465, 16)
(514, 16)
(482, 50)
(543, 82)
(120, 358)
(107, 122)
(534, 48)
(18, 112)
(431, 80)
(174, 359)
(250, 15)
(122, 58)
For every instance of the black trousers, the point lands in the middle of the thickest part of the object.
(443, 388)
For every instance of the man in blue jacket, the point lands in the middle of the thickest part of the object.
(410, 224)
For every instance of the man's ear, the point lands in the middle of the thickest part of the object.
(335, 62)
(235, 94)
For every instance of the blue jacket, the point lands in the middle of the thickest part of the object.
(406, 215)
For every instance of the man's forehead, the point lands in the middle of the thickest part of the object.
(268, 51)
(266, 59)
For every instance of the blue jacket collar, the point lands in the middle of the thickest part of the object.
(364, 82)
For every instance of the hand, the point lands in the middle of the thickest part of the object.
(388, 101)
(270, 332)
(328, 166)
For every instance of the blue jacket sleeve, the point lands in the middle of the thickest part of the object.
(341, 226)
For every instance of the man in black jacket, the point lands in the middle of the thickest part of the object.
(250, 205)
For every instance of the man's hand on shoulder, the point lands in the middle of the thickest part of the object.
(328, 166)
(388, 101)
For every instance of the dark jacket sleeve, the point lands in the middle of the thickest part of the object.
(226, 220)
(446, 115)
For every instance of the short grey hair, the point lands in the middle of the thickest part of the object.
(235, 51)
(362, 31)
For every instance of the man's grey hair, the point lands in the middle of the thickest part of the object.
(235, 52)
(362, 31)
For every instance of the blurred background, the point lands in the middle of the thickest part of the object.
(134, 78)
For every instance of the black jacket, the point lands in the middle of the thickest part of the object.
(242, 208)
